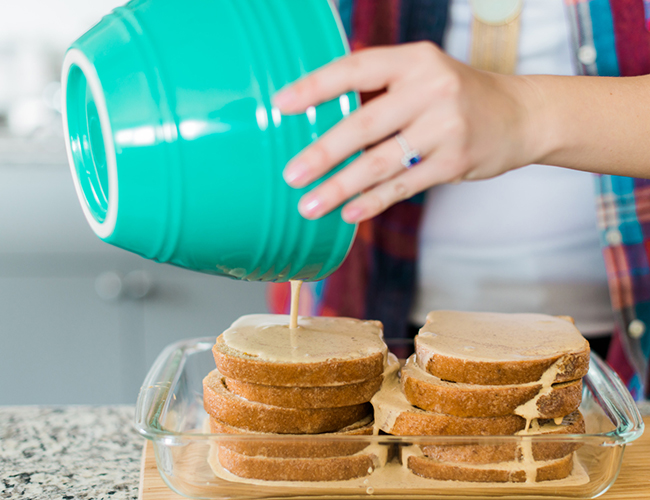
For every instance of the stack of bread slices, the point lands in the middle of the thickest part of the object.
(316, 379)
(488, 374)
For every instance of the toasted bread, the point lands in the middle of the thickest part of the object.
(296, 445)
(262, 349)
(429, 392)
(416, 422)
(297, 469)
(306, 397)
(500, 349)
(395, 415)
(236, 411)
(505, 472)
(507, 452)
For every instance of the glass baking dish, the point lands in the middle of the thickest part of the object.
(170, 413)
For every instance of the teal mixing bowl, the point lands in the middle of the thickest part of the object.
(175, 149)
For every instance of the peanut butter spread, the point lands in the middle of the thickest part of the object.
(498, 337)
(315, 339)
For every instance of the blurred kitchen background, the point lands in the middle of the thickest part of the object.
(80, 321)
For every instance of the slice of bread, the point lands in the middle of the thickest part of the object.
(416, 422)
(296, 445)
(504, 472)
(395, 415)
(236, 411)
(322, 351)
(500, 349)
(297, 469)
(429, 392)
(306, 397)
(541, 449)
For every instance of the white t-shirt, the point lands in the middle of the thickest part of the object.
(526, 241)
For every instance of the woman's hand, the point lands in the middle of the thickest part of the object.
(466, 125)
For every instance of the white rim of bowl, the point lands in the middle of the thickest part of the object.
(77, 58)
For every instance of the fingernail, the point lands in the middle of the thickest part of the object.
(294, 173)
(284, 98)
(351, 214)
(310, 207)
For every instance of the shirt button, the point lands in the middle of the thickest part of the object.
(614, 237)
(636, 328)
(587, 54)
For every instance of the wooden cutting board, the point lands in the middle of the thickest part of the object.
(633, 482)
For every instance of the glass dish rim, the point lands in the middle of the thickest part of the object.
(153, 400)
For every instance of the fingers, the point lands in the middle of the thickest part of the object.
(375, 165)
(422, 101)
(378, 164)
(376, 120)
(369, 69)
(402, 186)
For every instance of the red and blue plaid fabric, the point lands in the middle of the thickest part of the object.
(377, 279)
(617, 31)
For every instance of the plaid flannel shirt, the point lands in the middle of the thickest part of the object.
(377, 279)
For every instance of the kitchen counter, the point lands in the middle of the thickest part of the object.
(71, 452)
(93, 453)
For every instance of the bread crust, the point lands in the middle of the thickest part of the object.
(485, 454)
(445, 471)
(472, 400)
(240, 366)
(306, 397)
(296, 469)
(572, 366)
(416, 422)
(302, 447)
(239, 412)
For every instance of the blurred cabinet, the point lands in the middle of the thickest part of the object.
(81, 321)
(58, 343)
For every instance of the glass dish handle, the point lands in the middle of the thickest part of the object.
(152, 398)
(614, 398)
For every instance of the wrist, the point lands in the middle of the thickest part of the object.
(539, 134)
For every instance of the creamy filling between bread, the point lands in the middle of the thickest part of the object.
(389, 401)
(494, 337)
(530, 412)
(318, 339)
(315, 339)
(498, 337)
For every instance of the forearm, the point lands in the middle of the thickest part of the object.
(595, 124)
